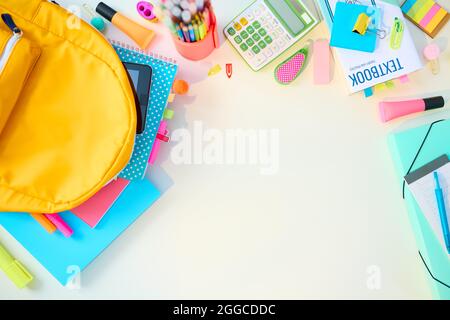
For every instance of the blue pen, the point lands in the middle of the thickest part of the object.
(191, 33)
(180, 33)
(442, 211)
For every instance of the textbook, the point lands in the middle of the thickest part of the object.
(363, 70)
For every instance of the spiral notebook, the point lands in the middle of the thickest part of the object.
(164, 71)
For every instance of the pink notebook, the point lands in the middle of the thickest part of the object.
(93, 210)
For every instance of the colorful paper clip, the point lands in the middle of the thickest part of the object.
(397, 34)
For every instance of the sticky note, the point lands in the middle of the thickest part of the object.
(427, 15)
(368, 92)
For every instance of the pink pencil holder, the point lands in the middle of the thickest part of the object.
(201, 49)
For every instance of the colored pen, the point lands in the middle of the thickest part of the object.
(196, 32)
(180, 33)
(13, 269)
(192, 33)
(186, 33)
(442, 212)
(44, 222)
(202, 30)
(60, 224)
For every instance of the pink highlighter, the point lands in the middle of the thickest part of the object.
(395, 109)
(60, 224)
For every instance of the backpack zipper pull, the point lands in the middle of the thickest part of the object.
(8, 20)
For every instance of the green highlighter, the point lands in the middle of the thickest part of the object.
(13, 269)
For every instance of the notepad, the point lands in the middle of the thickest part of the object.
(342, 35)
(426, 14)
(63, 257)
(164, 71)
(421, 183)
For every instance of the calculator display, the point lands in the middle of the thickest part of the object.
(289, 14)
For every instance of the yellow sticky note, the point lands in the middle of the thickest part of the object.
(214, 70)
(171, 98)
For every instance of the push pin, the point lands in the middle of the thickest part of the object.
(96, 21)
(432, 53)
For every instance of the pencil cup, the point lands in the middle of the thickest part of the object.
(200, 49)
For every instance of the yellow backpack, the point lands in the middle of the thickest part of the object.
(67, 109)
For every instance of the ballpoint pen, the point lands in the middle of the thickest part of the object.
(442, 212)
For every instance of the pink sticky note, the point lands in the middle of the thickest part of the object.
(93, 210)
(404, 79)
(154, 154)
(322, 62)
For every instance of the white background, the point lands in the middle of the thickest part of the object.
(311, 231)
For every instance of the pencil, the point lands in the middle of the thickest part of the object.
(196, 31)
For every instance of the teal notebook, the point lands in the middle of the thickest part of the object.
(65, 257)
(164, 71)
(412, 149)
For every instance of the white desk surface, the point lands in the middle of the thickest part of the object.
(313, 230)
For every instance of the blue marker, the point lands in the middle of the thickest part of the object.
(442, 211)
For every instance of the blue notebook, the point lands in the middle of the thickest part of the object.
(412, 149)
(63, 257)
(164, 71)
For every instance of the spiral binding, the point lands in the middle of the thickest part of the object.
(135, 50)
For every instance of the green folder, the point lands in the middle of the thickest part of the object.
(410, 150)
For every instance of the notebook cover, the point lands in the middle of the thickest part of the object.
(164, 71)
(404, 147)
(62, 256)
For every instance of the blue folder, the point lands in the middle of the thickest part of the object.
(411, 150)
(62, 256)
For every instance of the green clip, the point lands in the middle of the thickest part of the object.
(397, 34)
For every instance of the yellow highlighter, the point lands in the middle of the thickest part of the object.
(14, 270)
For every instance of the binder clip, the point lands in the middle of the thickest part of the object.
(362, 24)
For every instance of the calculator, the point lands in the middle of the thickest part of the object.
(267, 28)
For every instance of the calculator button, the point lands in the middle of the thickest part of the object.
(306, 18)
(256, 49)
(268, 39)
(244, 34)
(262, 32)
(250, 29)
(256, 25)
(256, 37)
(243, 21)
(249, 16)
(268, 26)
(259, 59)
(237, 26)
(238, 39)
(268, 52)
(244, 47)
(250, 42)
(281, 43)
(275, 47)
(263, 19)
(231, 31)
(257, 12)
(279, 31)
(262, 44)
(250, 54)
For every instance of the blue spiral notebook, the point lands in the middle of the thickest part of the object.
(164, 71)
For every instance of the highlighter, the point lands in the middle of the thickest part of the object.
(139, 34)
(392, 110)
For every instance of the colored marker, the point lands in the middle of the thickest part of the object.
(60, 224)
(392, 110)
(44, 222)
(186, 33)
(14, 270)
(442, 212)
(202, 30)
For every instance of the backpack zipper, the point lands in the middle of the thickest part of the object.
(10, 45)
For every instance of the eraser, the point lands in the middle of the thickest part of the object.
(322, 62)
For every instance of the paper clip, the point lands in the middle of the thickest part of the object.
(397, 34)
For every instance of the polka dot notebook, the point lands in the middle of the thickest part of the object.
(164, 71)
